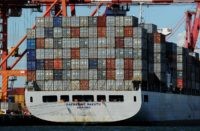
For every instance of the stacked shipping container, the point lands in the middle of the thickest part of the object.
(105, 53)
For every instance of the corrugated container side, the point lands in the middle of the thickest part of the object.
(40, 43)
(102, 53)
(101, 31)
(57, 21)
(66, 22)
(66, 75)
(84, 85)
(31, 43)
(30, 33)
(110, 74)
(110, 42)
(31, 75)
(110, 63)
(128, 85)
(128, 74)
(83, 74)
(83, 42)
(57, 63)
(39, 21)
(49, 64)
(102, 85)
(66, 85)
(102, 42)
(57, 74)
(83, 21)
(110, 53)
(48, 43)
(92, 21)
(93, 32)
(128, 53)
(48, 32)
(119, 21)
(40, 64)
(101, 74)
(93, 42)
(58, 54)
(83, 63)
(101, 21)
(128, 64)
(93, 74)
(84, 52)
(48, 75)
(111, 85)
(49, 85)
(48, 53)
(84, 32)
(75, 21)
(57, 32)
(48, 21)
(110, 31)
(119, 42)
(40, 32)
(75, 32)
(40, 85)
(75, 85)
(66, 32)
(93, 53)
(93, 85)
(110, 21)
(119, 52)
(119, 31)
(119, 85)
(66, 53)
(75, 64)
(75, 53)
(58, 85)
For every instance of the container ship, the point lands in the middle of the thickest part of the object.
(107, 69)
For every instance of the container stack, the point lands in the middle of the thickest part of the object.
(82, 53)
(160, 59)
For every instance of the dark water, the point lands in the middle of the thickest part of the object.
(99, 128)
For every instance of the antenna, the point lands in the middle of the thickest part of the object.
(141, 19)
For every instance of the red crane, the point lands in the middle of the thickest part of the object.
(15, 7)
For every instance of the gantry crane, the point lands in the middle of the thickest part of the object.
(9, 8)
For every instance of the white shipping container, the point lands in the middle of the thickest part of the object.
(110, 21)
(66, 32)
(40, 54)
(119, 63)
(84, 32)
(84, 52)
(128, 21)
(66, 74)
(139, 64)
(110, 53)
(58, 85)
(102, 42)
(40, 32)
(57, 32)
(140, 75)
(74, 42)
(66, 53)
(119, 21)
(128, 85)
(58, 53)
(128, 42)
(101, 63)
(66, 43)
(119, 31)
(83, 21)
(92, 42)
(66, 22)
(93, 74)
(83, 63)
(74, 21)
(39, 74)
(119, 52)
(30, 33)
(75, 74)
(93, 32)
(75, 85)
(41, 85)
(102, 53)
(102, 85)
(93, 53)
(84, 42)
(75, 63)
(111, 85)
(67, 85)
(119, 74)
(93, 85)
(128, 53)
(83, 74)
(120, 85)
(48, 75)
(39, 21)
(110, 42)
(48, 43)
(48, 21)
(48, 54)
(110, 31)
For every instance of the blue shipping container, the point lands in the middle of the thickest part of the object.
(48, 32)
(31, 43)
(57, 74)
(57, 21)
(31, 55)
(40, 64)
(93, 63)
(31, 65)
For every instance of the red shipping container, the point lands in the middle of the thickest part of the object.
(57, 63)
(101, 21)
(84, 84)
(30, 75)
(110, 74)
(75, 53)
(119, 42)
(49, 64)
(40, 43)
(75, 32)
(17, 91)
(110, 63)
(128, 74)
(179, 83)
(101, 31)
(128, 64)
(128, 31)
(159, 38)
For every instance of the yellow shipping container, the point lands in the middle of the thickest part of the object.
(19, 98)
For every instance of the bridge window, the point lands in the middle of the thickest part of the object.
(101, 98)
(49, 98)
(116, 98)
(134, 98)
(31, 99)
(83, 98)
(146, 98)
(64, 98)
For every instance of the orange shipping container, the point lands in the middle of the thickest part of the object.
(84, 85)
(128, 74)
(75, 32)
(75, 53)
(110, 63)
(110, 74)
(30, 75)
(101, 31)
(128, 64)
(128, 31)
(101, 21)
(40, 43)
(57, 63)
(179, 83)
(19, 98)
(159, 38)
